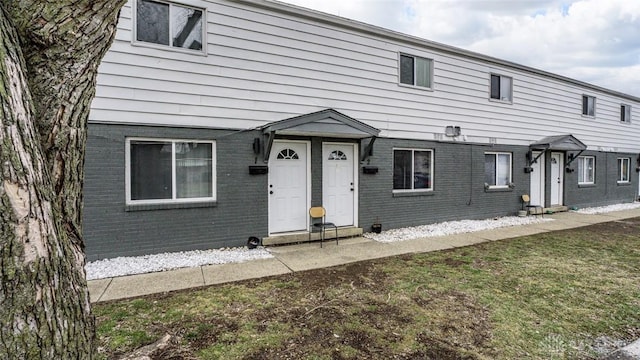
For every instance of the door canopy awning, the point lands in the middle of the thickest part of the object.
(559, 143)
(325, 123)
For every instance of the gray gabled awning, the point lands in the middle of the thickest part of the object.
(325, 123)
(559, 143)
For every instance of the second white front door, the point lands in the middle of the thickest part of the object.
(557, 178)
(339, 183)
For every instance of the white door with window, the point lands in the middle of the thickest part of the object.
(339, 183)
(288, 186)
(537, 177)
(557, 178)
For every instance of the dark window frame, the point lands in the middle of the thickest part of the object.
(496, 91)
(625, 113)
(172, 41)
(586, 109)
(415, 177)
(407, 75)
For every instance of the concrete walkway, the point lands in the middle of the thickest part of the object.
(308, 256)
(293, 258)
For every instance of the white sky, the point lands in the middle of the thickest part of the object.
(596, 41)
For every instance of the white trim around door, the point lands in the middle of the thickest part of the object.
(537, 178)
(340, 182)
(289, 186)
(557, 178)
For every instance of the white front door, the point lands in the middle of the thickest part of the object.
(288, 186)
(537, 177)
(339, 183)
(557, 178)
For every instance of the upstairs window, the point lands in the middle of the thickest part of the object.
(588, 105)
(625, 113)
(586, 170)
(169, 24)
(501, 88)
(416, 71)
(412, 169)
(497, 170)
(623, 170)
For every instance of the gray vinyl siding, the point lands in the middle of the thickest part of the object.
(270, 62)
(110, 230)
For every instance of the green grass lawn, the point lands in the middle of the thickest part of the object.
(570, 294)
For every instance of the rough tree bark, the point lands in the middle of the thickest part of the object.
(49, 55)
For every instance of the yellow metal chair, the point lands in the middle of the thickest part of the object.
(318, 212)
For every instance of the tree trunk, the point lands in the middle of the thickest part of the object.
(49, 55)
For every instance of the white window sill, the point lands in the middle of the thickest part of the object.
(170, 205)
(507, 102)
(417, 87)
(410, 193)
(175, 49)
(498, 189)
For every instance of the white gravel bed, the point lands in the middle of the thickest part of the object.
(609, 208)
(121, 266)
(452, 227)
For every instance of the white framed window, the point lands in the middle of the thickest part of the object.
(501, 88)
(586, 170)
(623, 170)
(416, 71)
(497, 169)
(588, 105)
(412, 170)
(167, 171)
(170, 25)
(625, 113)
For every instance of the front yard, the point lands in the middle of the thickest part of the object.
(572, 294)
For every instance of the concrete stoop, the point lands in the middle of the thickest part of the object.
(299, 237)
(556, 208)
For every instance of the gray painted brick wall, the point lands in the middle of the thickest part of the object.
(458, 193)
(110, 230)
(241, 209)
(606, 190)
